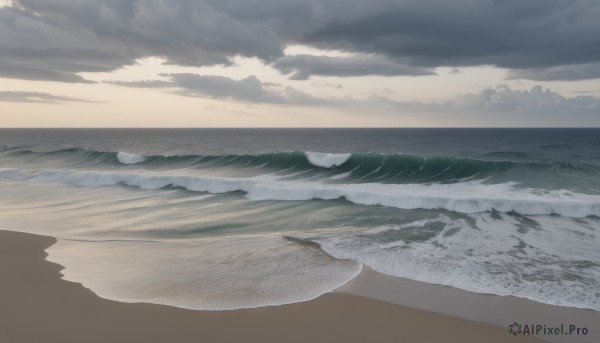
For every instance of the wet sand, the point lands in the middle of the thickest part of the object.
(492, 309)
(37, 306)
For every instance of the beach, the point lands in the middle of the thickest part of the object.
(486, 308)
(37, 306)
(299, 171)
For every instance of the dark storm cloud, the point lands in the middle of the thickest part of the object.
(33, 49)
(303, 67)
(55, 39)
(511, 34)
(100, 35)
(35, 97)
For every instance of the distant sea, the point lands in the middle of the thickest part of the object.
(218, 219)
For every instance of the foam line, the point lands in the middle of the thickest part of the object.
(464, 197)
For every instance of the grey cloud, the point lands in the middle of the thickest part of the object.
(506, 107)
(250, 89)
(36, 50)
(56, 39)
(511, 34)
(500, 99)
(90, 35)
(35, 97)
(565, 73)
(500, 107)
(28, 72)
(303, 67)
(537, 99)
(537, 102)
(144, 83)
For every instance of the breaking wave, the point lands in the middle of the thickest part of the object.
(464, 197)
(354, 167)
(127, 158)
(324, 160)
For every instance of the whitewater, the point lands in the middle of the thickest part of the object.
(464, 197)
(226, 219)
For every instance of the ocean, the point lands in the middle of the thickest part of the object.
(218, 219)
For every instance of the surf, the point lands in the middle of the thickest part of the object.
(464, 197)
(352, 167)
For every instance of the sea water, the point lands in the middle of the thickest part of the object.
(218, 219)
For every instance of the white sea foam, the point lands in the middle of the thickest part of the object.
(325, 160)
(465, 197)
(490, 257)
(127, 158)
(468, 197)
(13, 174)
(555, 262)
(340, 176)
(207, 274)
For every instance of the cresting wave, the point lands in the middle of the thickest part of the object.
(324, 160)
(464, 197)
(127, 158)
(356, 167)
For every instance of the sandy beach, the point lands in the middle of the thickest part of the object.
(37, 306)
(486, 308)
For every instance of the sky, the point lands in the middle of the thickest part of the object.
(299, 63)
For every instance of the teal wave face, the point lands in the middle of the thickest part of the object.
(343, 168)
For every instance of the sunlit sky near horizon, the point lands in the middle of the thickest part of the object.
(298, 63)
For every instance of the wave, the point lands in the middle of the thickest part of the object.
(464, 197)
(482, 256)
(354, 167)
(325, 160)
(127, 158)
(510, 155)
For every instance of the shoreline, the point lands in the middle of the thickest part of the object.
(485, 308)
(36, 305)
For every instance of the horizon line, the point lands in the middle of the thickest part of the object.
(301, 128)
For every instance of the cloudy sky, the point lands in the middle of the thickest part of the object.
(299, 63)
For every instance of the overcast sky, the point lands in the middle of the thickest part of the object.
(299, 63)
